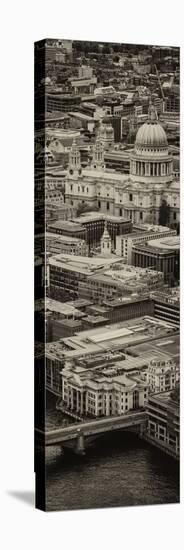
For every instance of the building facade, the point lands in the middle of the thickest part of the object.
(139, 195)
(162, 375)
(160, 255)
(163, 422)
(124, 243)
(90, 393)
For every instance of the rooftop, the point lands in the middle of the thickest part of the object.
(104, 175)
(54, 306)
(169, 295)
(82, 116)
(119, 336)
(160, 246)
(95, 216)
(67, 225)
(82, 264)
(150, 227)
(167, 345)
(168, 243)
(62, 238)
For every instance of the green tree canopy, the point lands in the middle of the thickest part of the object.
(164, 213)
(85, 207)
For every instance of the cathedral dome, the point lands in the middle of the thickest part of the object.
(151, 133)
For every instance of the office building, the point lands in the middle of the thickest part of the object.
(167, 305)
(125, 243)
(103, 392)
(163, 422)
(67, 228)
(62, 244)
(118, 282)
(94, 223)
(160, 255)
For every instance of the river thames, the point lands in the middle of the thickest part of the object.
(118, 469)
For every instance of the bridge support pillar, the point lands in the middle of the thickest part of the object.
(79, 448)
(142, 430)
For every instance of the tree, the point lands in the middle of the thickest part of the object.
(175, 394)
(164, 213)
(116, 59)
(85, 207)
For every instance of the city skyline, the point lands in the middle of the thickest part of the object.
(107, 257)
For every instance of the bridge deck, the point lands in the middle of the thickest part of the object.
(92, 427)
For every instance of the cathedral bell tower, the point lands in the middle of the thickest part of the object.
(106, 246)
(98, 154)
(74, 168)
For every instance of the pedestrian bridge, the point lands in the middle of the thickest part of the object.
(79, 431)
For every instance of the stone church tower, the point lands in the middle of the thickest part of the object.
(106, 246)
(74, 168)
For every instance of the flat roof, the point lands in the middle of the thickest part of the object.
(62, 238)
(82, 116)
(55, 306)
(169, 345)
(62, 224)
(110, 335)
(105, 175)
(167, 243)
(141, 335)
(94, 216)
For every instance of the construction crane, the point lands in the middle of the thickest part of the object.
(160, 86)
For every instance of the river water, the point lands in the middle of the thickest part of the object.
(118, 469)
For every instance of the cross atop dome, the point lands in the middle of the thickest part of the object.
(152, 112)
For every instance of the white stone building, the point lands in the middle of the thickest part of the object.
(137, 195)
(97, 393)
(162, 374)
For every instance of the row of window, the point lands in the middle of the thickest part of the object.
(82, 188)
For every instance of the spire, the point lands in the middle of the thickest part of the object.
(98, 153)
(106, 246)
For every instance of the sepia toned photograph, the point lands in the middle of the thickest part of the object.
(107, 274)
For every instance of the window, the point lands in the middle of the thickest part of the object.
(107, 205)
(174, 216)
(140, 215)
(99, 204)
(130, 197)
(78, 188)
(120, 211)
(71, 187)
